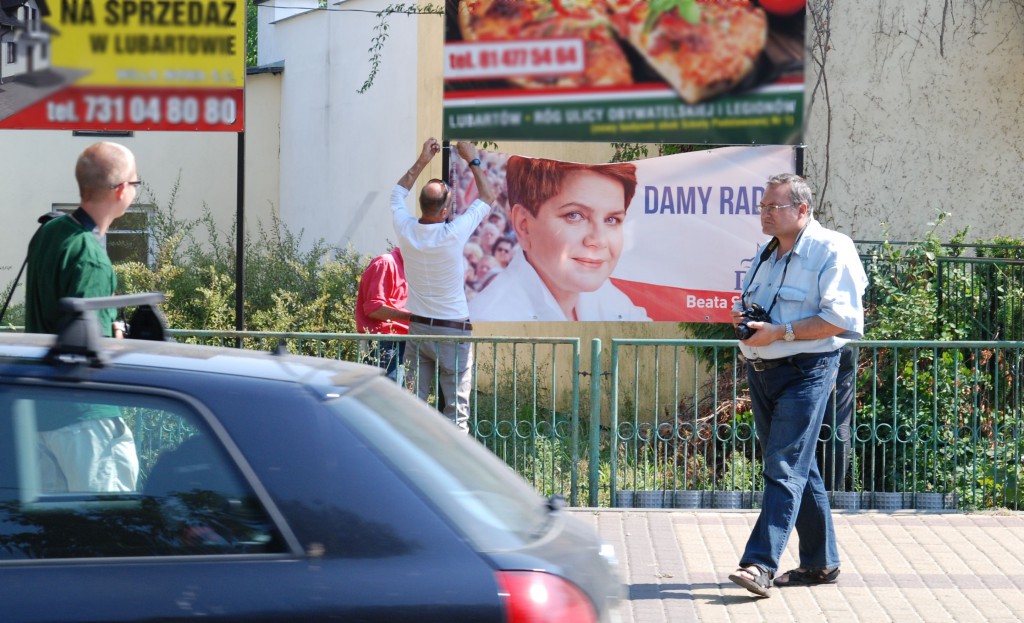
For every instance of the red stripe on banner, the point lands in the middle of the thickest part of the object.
(668, 304)
(113, 108)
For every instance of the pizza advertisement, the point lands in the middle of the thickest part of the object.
(722, 72)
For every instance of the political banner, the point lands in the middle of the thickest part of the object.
(664, 239)
(122, 65)
(720, 72)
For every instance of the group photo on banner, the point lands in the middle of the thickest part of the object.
(663, 239)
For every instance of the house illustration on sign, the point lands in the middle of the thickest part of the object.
(24, 39)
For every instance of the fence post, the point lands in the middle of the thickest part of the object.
(575, 434)
(595, 419)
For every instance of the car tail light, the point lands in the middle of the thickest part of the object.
(535, 597)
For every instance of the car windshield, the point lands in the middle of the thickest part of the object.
(490, 503)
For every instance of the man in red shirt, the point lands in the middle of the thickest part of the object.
(380, 308)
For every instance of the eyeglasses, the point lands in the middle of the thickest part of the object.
(135, 183)
(768, 209)
(444, 185)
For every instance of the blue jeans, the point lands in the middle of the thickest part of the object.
(834, 452)
(387, 354)
(789, 405)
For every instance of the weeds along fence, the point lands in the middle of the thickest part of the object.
(936, 424)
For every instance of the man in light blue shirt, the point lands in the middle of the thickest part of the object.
(810, 282)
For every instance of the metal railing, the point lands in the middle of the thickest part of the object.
(935, 425)
(524, 398)
(984, 296)
(981, 296)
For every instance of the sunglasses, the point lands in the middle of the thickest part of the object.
(444, 185)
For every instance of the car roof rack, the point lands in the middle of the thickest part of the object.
(78, 339)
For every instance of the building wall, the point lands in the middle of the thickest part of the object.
(922, 116)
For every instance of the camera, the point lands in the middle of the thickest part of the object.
(756, 313)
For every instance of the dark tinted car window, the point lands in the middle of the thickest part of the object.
(479, 493)
(164, 484)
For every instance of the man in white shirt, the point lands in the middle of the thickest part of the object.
(432, 246)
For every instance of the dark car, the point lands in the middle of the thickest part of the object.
(269, 487)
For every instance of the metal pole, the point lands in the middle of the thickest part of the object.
(595, 421)
(240, 238)
(446, 162)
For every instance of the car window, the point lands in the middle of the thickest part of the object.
(89, 473)
(492, 505)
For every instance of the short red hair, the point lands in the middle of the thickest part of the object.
(532, 181)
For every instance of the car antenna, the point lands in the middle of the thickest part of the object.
(78, 339)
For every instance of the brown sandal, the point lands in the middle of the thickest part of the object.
(807, 577)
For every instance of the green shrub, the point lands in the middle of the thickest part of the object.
(287, 287)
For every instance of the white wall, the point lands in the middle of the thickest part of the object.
(341, 151)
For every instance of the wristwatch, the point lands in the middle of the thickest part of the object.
(475, 162)
(790, 336)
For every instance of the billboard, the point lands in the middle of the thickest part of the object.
(122, 64)
(663, 239)
(665, 71)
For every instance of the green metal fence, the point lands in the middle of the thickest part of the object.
(936, 424)
(524, 400)
(983, 295)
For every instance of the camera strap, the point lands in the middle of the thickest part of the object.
(767, 253)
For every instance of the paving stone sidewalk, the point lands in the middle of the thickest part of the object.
(899, 566)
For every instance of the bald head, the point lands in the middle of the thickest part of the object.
(101, 167)
(434, 198)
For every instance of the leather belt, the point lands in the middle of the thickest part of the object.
(438, 322)
(760, 365)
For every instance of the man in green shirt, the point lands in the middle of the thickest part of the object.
(83, 446)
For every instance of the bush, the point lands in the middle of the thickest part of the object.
(286, 287)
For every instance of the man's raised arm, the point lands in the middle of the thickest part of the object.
(430, 149)
(469, 153)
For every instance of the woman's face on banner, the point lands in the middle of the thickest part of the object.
(576, 238)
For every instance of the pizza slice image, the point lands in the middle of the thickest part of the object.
(498, 20)
(701, 48)
(605, 63)
(702, 52)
